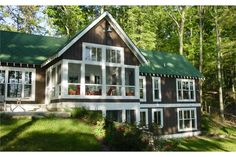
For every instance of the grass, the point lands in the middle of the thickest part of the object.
(216, 137)
(47, 135)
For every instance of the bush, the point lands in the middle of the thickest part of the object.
(5, 116)
(87, 115)
(124, 137)
(161, 144)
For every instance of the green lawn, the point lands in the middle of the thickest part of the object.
(218, 137)
(47, 135)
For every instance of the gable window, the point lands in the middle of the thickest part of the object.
(113, 56)
(2, 82)
(185, 90)
(142, 88)
(129, 82)
(93, 54)
(156, 87)
(187, 119)
(157, 117)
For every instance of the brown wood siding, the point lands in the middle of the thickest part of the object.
(168, 91)
(97, 35)
(170, 120)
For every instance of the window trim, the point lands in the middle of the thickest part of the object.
(157, 110)
(153, 92)
(146, 112)
(194, 90)
(144, 88)
(23, 70)
(195, 118)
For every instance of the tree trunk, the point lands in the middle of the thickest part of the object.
(200, 46)
(181, 31)
(218, 49)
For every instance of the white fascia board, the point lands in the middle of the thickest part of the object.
(75, 39)
(126, 39)
(115, 25)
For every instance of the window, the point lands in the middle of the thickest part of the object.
(59, 79)
(93, 54)
(156, 87)
(2, 82)
(113, 56)
(157, 117)
(17, 83)
(114, 115)
(93, 80)
(53, 92)
(143, 117)
(129, 82)
(74, 79)
(113, 81)
(14, 88)
(130, 116)
(187, 119)
(185, 90)
(142, 88)
(28, 85)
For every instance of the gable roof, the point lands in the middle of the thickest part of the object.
(168, 64)
(116, 27)
(27, 48)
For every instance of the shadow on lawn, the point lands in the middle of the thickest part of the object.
(43, 141)
(201, 144)
(4, 140)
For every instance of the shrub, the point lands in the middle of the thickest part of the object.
(161, 144)
(5, 116)
(99, 129)
(124, 137)
(87, 115)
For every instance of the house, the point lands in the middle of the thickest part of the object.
(100, 68)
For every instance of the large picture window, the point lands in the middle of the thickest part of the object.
(185, 90)
(187, 119)
(17, 83)
(156, 87)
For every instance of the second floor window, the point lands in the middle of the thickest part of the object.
(185, 90)
(142, 88)
(93, 54)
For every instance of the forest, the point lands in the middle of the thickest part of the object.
(205, 35)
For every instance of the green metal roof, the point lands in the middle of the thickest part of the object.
(162, 63)
(28, 48)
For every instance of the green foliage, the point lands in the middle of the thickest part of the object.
(99, 129)
(87, 115)
(124, 137)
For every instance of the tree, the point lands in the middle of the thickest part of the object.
(178, 14)
(20, 18)
(201, 14)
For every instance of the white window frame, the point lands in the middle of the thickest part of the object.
(144, 88)
(103, 64)
(195, 118)
(146, 114)
(153, 90)
(194, 90)
(48, 89)
(158, 110)
(23, 70)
